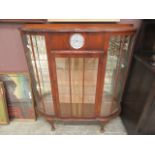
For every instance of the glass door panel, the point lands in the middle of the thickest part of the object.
(38, 65)
(90, 82)
(77, 69)
(63, 79)
(77, 80)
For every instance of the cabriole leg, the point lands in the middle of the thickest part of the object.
(102, 126)
(52, 124)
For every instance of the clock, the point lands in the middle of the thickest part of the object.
(76, 41)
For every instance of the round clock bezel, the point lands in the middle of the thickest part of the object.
(76, 41)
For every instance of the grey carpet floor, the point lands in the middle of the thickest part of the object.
(41, 127)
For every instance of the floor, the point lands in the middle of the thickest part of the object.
(41, 127)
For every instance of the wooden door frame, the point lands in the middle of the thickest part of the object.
(100, 54)
(79, 54)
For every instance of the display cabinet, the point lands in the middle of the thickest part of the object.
(78, 71)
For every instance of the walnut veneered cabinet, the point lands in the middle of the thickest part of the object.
(78, 71)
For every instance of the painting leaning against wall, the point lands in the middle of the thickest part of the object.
(18, 96)
(4, 119)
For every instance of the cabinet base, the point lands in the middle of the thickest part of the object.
(102, 120)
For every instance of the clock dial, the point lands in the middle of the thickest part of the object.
(76, 41)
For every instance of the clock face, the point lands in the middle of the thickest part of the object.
(76, 41)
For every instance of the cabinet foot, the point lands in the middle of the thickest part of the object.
(102, 126)
(52, 124)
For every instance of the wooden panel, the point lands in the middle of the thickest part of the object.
(61, 27)
(61, 41)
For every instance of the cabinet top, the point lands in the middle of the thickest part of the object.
(78, 27)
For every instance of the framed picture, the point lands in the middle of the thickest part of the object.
(18, 95)
(4, 118)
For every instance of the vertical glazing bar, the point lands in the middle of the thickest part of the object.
(70, 88)
(43, 104)
(83, 86)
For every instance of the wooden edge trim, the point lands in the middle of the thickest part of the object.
(99, 118)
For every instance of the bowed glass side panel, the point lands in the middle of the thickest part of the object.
(38, 66)
(116, 67)
(123, 66)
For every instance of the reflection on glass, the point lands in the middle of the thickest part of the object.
(77, 79)
(123, 66)
(77, 85)
(90, 79)
(116, 58)
(19, 97)
(111, 66)
(38, 63)
(62, 67)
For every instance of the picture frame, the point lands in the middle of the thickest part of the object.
(19, 95)
(4, 117)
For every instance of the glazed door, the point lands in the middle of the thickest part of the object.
(77, 82)
(77, 69)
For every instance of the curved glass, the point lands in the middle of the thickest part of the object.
(37, 60)
(116, 67)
